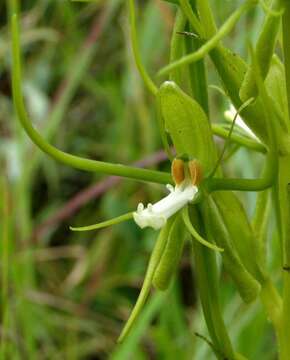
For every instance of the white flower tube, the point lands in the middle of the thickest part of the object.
(156, 215)
(231, 113)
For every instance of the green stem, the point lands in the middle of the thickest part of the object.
(217, 184)
(283, 202)
(207, 278)
(206, 18)
(68, 159)
(197, 74)
(228, 139)
(241, 140)
(260, 223)
(284, 196)
(286, 48)
(192, 18)
(177, 46)
(271, 166)
(146, 78)
(116, 220)
(4, 236)
(210, 44)
(195, 234)
(272, 303)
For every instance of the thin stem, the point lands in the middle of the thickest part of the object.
(195, 234)
(283, 217)
(68, 159)
(134, 38)
(197, 75)
(241, 140)
(272, 303)
(228, 139)
(4, 211)
(260, 223)
(206, 17)
(116, 220)
(286, 49)
(210, 44)
(271, 166)
(192, 18)
(239, 184)
(177, 45)
(91, 193)
(284, 196)
(270, 11)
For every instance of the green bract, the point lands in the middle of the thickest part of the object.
(187, 125)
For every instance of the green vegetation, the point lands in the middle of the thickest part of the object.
(97, 97)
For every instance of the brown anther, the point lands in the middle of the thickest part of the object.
(195, 172)
(177, 171)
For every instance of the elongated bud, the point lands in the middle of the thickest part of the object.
(153, 264)
(246, 284)
(171, 256)
(177, 171)
(264, 52)
(240, 231)
(195, 171)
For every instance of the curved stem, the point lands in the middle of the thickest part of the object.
(228, 139)
(68, 159)
(195, 234)
(210, 44)
(146, 78)
(101, 225)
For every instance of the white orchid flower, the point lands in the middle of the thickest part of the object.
(156, 215)
(186, 179)
(187, 176)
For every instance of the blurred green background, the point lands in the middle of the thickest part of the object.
(67, 295)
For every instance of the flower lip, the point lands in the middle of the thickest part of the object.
(156, 215)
